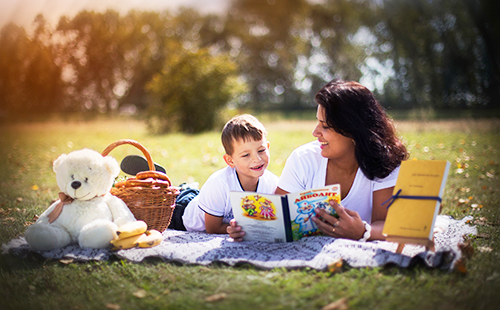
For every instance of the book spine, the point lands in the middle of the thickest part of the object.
(286, 219)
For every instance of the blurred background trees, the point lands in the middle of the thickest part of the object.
(178, 70)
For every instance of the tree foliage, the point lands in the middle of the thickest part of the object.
(29, 78)
(413, 54)
(441, 57)
(191, 89)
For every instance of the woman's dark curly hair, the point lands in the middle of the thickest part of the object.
(352, 110)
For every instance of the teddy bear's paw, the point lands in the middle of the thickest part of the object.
(46, 237)
(97, 235)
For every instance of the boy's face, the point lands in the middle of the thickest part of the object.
(250, 158)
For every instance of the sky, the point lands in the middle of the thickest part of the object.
(23, 12)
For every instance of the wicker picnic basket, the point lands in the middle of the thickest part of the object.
(150, 199)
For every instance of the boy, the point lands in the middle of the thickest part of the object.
(247, 157)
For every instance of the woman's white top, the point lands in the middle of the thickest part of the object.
(305, 169)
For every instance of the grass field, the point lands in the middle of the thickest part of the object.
(27, 186)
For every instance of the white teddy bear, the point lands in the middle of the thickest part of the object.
(86, 212)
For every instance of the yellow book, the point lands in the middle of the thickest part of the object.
(416, 200)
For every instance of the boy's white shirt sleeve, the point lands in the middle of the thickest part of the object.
(214, 197)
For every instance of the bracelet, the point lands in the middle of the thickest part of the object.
(368, 232)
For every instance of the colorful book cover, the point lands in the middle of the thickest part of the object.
(419, 190)
(275, 218)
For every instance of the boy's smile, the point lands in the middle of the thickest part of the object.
(259, 168)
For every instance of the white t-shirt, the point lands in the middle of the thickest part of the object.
(306, 169)
(214, 197)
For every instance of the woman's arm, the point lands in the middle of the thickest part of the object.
(279, 191)
(379, 212)
(349, 224)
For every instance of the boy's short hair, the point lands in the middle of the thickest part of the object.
(243, 127)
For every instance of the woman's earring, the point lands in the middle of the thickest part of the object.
(354, 142)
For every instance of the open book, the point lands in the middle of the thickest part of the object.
(276, 218)
(416, 201)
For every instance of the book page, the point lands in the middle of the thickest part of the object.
(302, 208)
(259, 215)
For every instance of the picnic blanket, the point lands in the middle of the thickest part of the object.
(315, 252)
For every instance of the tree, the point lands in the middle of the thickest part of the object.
(191, 89)
(259, 34)
(30, 79)
(339, 38)
(43, 80)
(93, 58)
(437, 54)
(287, 50)
(483, 14)
(148, 37)
(444, 53)
(13, 51)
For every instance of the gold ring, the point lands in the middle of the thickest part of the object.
(333, 230)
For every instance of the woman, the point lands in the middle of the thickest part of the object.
(357, 148)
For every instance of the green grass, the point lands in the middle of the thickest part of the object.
(27, 186)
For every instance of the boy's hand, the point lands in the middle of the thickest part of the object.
(235, 231)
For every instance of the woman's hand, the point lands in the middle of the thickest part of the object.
(349, 224)
(234, 231)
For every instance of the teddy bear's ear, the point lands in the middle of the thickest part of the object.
(112, 166)
(58, 161)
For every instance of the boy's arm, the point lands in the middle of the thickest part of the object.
(214, 225)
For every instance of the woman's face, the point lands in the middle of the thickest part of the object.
(333, 144)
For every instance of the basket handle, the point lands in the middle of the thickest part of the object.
(134, 143)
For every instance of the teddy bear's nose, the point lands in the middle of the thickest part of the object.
(76, 184)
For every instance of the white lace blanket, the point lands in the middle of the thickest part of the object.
(314, 252)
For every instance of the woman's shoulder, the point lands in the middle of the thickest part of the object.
(388, 181)
(308, 156)
(312, 147)
(390, 177)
